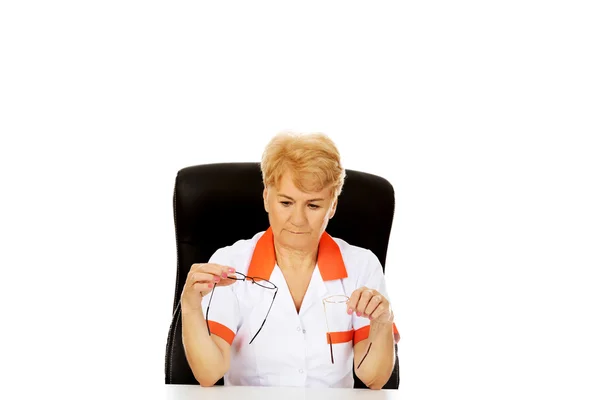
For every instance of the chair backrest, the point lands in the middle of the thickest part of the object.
(215, 205)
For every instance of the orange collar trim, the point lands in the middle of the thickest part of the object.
(330, 260)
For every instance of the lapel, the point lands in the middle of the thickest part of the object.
(316, 292)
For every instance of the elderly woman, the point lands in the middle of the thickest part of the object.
(291, 306)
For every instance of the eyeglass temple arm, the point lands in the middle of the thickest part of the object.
(208, 309)
(264, 320)
(330, 347)
(365, 356)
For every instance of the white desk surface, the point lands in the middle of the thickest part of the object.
(196, 392)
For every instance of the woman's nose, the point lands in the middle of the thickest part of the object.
(298, 216)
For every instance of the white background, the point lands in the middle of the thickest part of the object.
(483, 115)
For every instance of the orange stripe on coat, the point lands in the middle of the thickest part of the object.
(363, 333)
(340, 337)
(221, 331)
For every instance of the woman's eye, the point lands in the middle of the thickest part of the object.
(314, 206)
(285, 203)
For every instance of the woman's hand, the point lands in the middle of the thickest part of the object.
(371, 304)
(200, 281)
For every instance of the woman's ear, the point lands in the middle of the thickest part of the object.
(333, 208)
(265, 201)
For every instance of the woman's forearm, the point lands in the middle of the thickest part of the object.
(203, 355)
(377, 368)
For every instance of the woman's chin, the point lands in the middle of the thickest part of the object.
(299, 240)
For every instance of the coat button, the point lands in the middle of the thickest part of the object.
(301, 371)
(298, 329)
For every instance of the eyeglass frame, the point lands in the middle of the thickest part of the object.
(254, 280)
(329, 333)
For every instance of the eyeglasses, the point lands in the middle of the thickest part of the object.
(255, 281)
(338, 299)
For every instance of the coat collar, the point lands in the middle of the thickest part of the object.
(329, 259)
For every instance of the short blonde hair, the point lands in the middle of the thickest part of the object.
(312, 159)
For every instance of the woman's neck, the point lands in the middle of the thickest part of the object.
(294, 260)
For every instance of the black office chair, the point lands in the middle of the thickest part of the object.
(215, 205)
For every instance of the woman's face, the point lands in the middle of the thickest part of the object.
(298, 218)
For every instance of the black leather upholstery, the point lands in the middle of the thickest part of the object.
(217, 204)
